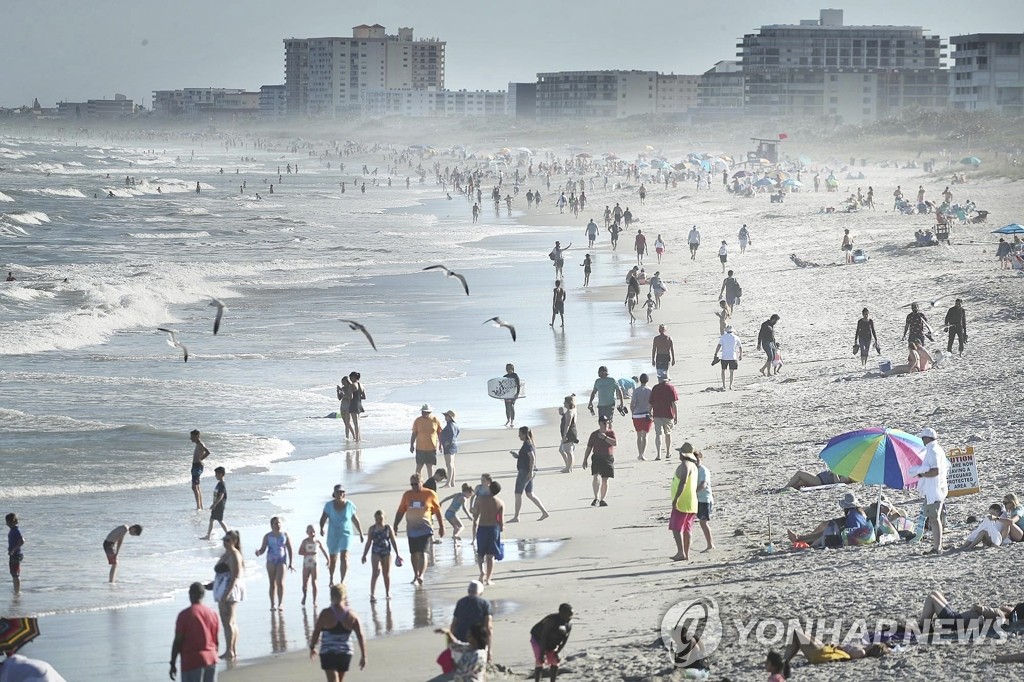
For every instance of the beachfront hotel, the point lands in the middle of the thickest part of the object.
(988, 72)
(612, 94)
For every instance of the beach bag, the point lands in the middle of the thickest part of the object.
(553, 255)
(500, 554)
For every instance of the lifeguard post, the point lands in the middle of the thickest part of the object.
(766, 149)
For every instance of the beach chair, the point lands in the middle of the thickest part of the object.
(942, 233)
(941, 221)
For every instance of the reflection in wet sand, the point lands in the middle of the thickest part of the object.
(278, 639)
(388, 625)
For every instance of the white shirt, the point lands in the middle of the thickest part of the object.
(731, 346)
(640, 404)
(694, 237)
(934, 488)
(723, 251)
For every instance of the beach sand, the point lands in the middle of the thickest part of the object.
(612, 563)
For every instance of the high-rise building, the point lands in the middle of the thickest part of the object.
(720, 91)
(326, 77)
(595, 94)
(676, 93)
(434, 103)
(855, 74)
(273, 101)
(988, 72)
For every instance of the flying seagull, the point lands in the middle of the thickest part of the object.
(931, 304)
(498, 322)
(356, 327)
(449, 273)
(173, 340)
(220, 313)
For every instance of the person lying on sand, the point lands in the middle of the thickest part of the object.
(914, 362)
(936, 614)
(816, 651)
(853, 520)
(805, 479)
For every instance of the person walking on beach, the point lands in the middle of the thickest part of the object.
(731, 291)
(658, 288)
(587, 267)
(640, 244)
(659, 248)
(591, 232)
(557, 303)
(640, 408)
(112, 544)
(220, 500)
(615, 230)
(932, 483)
(602, 444)
(864, 336)
(341, 512)
(278, 548)
(663, 410)
(766, 342)
(558, 256)
(606, 390)
(705, 500)
(847, 246)
(724, 315)
(380, 542)
(307, 550)
(419, 507)
(15, 555)
(200, 453)
(196, 639)
(510, 403)
(229, 590)
(684, 502)
(547, 638)
(915, 325)
(355, 406)
(663, 352)
(956, 325)
(568, 431)
(731, 353)
(450, 444)
(693, 239)
(426, 439)
(744, 238)
(723, 254)
(333, 630)
(526, 470)
(489, 524)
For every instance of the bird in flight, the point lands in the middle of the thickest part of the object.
(498, 322)
(449, 273)
(220, 313)
(356, 327)
(173, 340)
(931, 304)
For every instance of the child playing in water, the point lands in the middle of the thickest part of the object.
(649, 304)
(278, 548)
(458, 503)
(307, 550)
(381, 538)
(112, 545)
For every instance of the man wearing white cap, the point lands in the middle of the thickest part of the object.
(732, 353)
(425, 440)
(932, 484)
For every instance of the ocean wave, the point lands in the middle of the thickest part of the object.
(27, 218)
(5, 198)
(51, 192)
(25, 294)
(193, 210)
(168, 235)
(6, 153)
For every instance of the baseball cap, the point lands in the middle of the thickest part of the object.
(426, 408)
(927, 433)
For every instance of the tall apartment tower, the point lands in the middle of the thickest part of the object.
(326, 77)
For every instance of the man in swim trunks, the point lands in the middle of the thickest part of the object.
(198, 455)
(693, 239)
(547, 638)
(602, 445)
(15, 556)
(591, 232)
(488, 516)
(557, 303)
(112, 545)
(418, 507)
(640, 244)
(663, 353)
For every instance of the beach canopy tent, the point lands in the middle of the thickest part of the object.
(1012, 228)
(875, 456)
(970, 161)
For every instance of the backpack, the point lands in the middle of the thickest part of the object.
(553, 255)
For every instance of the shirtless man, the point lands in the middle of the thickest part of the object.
(198, 455)
(112, 545)
(488, 514)
(557, 303)
(663, 353)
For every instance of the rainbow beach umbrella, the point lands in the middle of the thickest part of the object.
(875, 456)
(17, 632)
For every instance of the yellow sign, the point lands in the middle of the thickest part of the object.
(962, 477)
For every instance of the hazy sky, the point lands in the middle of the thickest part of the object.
(80, 49)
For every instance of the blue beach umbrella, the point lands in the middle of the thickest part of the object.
(1012, 228)
(764, 182)
(971, 161)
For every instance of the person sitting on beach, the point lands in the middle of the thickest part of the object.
(805, 479)
(778, 668)
(1012, 518)
(914, 362)
(853, 521)
(936, 615)
(990, 532)
(816, 651)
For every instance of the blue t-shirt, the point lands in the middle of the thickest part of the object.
(605, 388)
(855, 520)
(626, 385)
(704, 494)
(470, 610)
(449, 438)
(14, 539)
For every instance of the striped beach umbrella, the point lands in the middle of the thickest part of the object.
(17, 632)
(875, 456)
